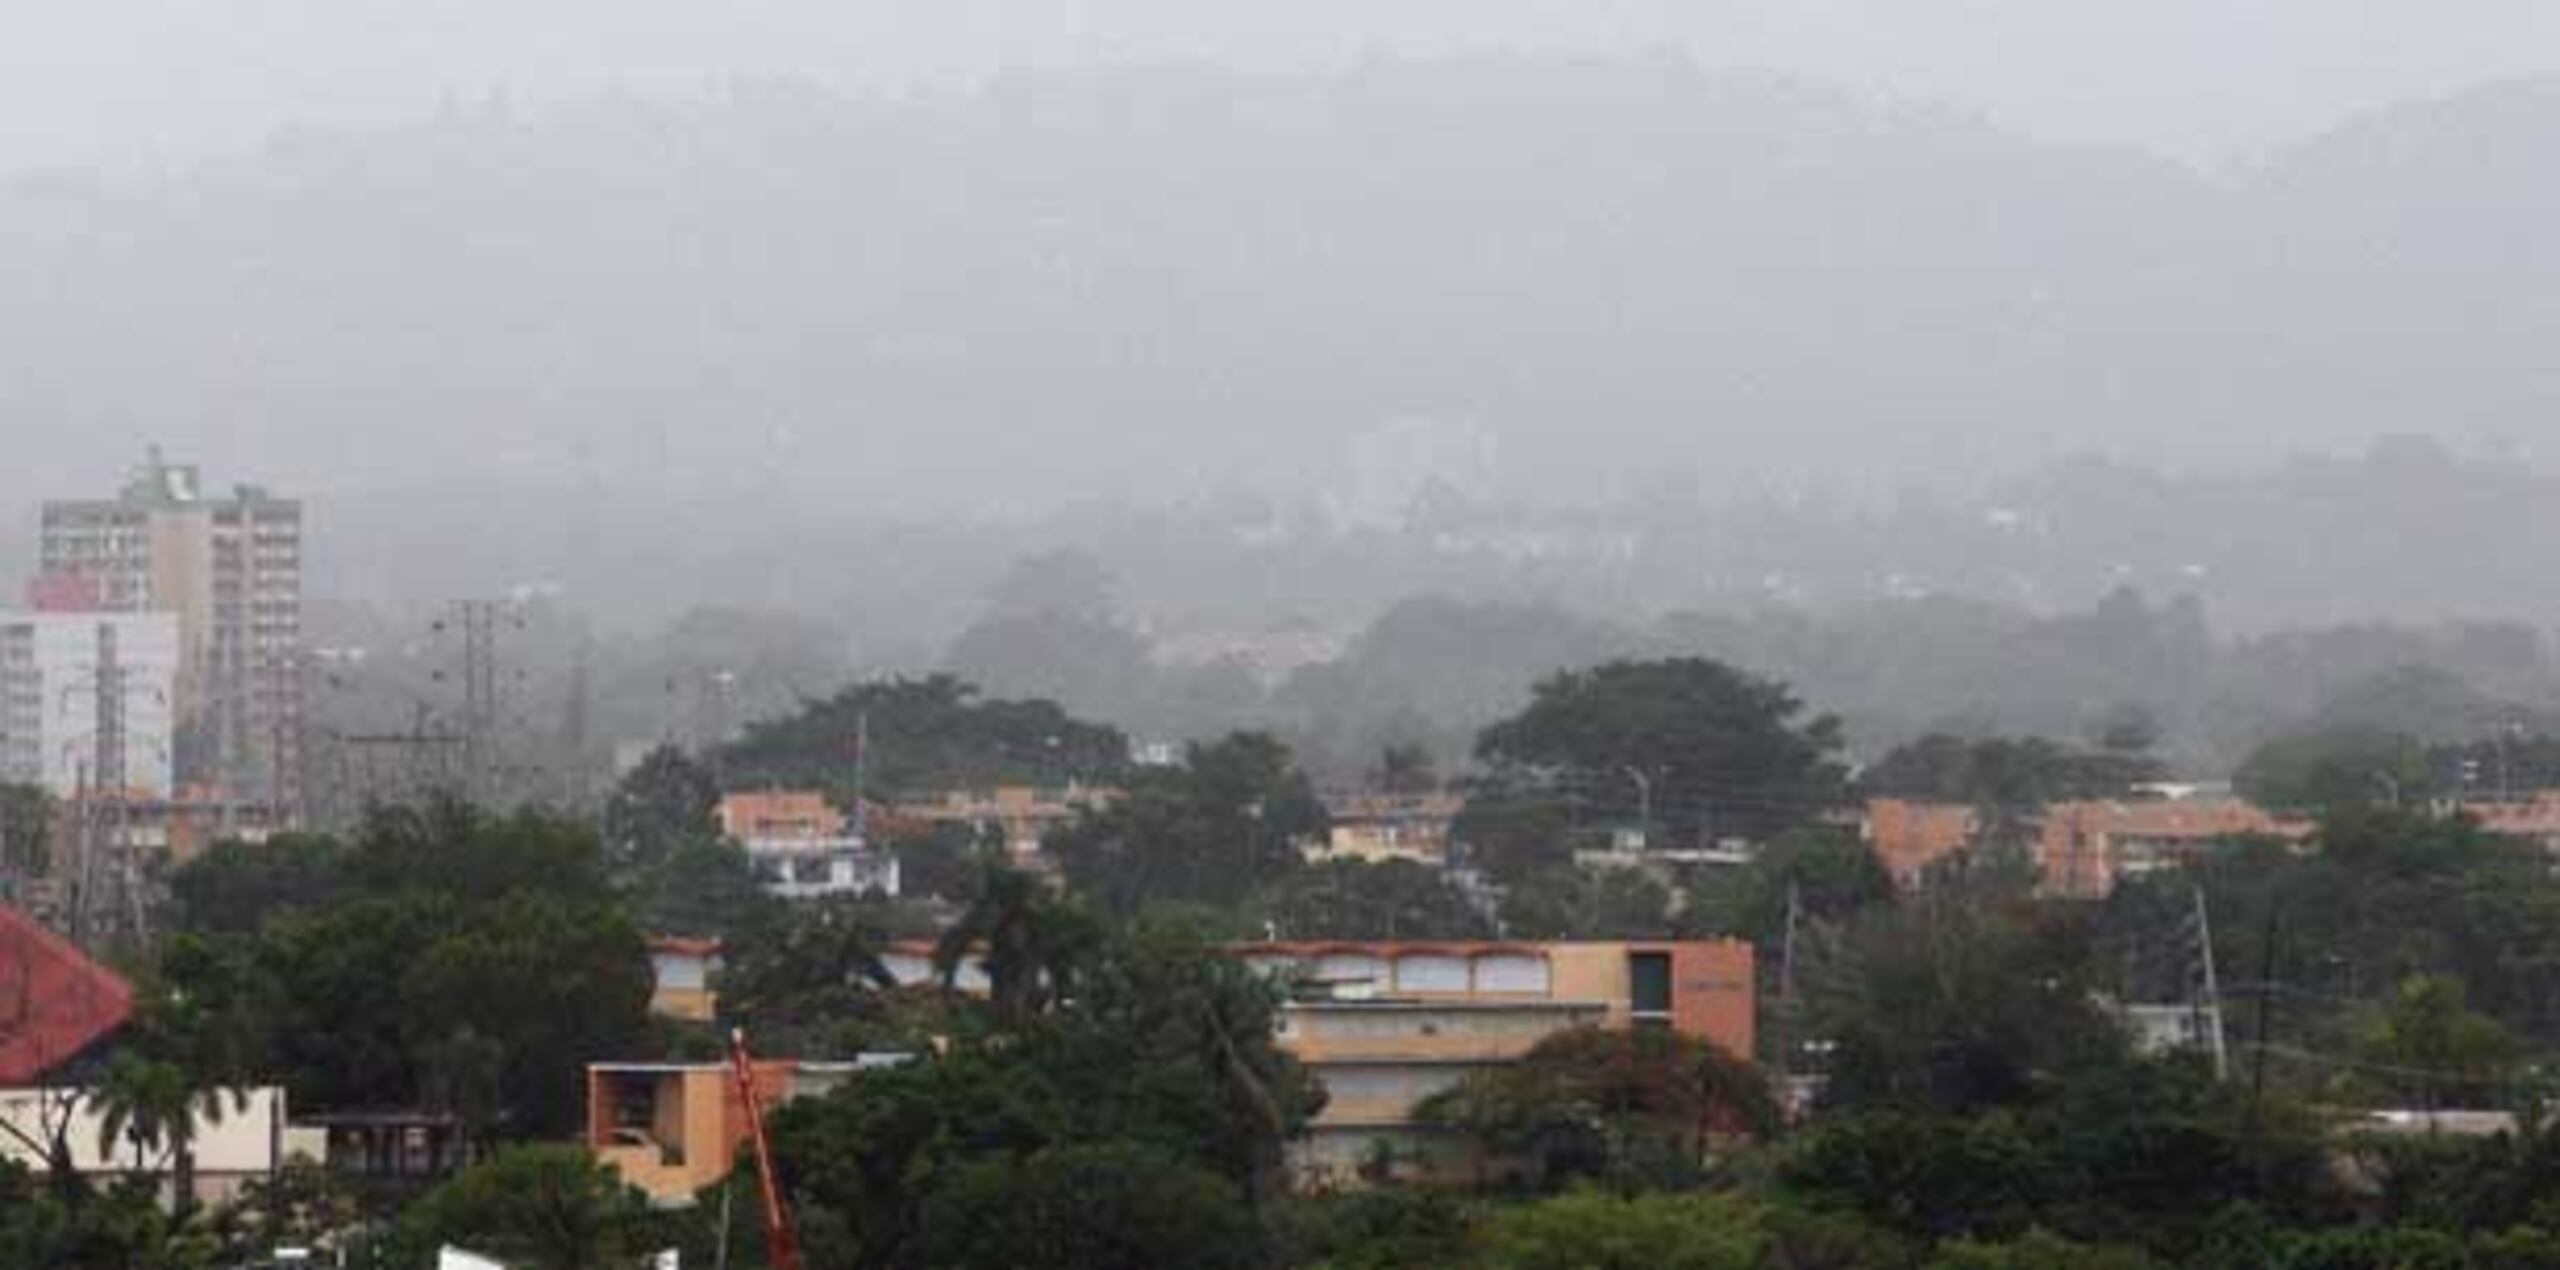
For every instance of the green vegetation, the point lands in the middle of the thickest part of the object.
(1117, 1095)
(927, 735)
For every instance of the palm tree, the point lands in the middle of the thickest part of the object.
(1030, 943)
(152, 1105)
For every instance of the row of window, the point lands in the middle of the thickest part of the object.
(1499, 973)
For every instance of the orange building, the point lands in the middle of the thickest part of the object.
(1910, 837)
(780, 816)
(2083, 849)
(1385, 1025)
(672, 1129)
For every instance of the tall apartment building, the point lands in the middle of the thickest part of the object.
(87, 702)
(229, 568)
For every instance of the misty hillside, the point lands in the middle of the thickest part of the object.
(1133, 282)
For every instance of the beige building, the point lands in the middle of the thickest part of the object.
(1375, 828)
(672, 1129)
(1386, 1025)
(229, 568)
(248, 1142)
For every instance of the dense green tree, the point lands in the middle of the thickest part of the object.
(1164, 1052)
(1957, 1000)
(943, 860)
(121, 1229)
(665, 804)
(1513, 829)
(1829, 876)
(1229, 819)
(2039, 1250)
(815, 980)
(1373, 1228)
(447, 958)
(2428, 1046)
(1105, 1206)
(1030, 943)
(539, 1206)
(1592, 1230)
(1587, 903)
(1634, 1109)
(2336, 770)
(707, 889)
(2007, 781)
(926, 736)
(236, 887)
(1705, 750)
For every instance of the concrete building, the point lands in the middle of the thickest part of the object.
(1385, 1025)
(248, 1142)
(672, 1129)
(803, 847)
(1020, 816)
(1374, 828)
(2081, 850)
(2084, 849)
(88, 702)
(229, 569)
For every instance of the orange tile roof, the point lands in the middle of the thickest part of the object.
(54, 1001)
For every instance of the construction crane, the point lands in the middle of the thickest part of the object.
(782, 1246)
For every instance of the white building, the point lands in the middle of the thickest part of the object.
(803, 847)
(248, 1141)
(229, 566)
(88, 701)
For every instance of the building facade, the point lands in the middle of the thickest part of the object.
(672, 1129)
(229, 569)
(1386, 1025)
(803, 847)
(88, 702)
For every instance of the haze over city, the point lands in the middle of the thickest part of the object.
(1511, 635)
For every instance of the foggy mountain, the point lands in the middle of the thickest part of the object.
(1129, 281)
(804, 311)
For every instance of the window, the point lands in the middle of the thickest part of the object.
(1649, 984)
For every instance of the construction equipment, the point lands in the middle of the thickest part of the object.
(782, 1245)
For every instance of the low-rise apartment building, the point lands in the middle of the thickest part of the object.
(1374, 828)
(2081, 850)
(1386, 1025)
(249, 1141)
(672, 1129)
(803, 847)
(1022, 817)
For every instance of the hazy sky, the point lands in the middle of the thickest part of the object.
(164, 81)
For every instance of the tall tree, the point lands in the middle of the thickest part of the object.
(1030, 943)
(665, 804)
(1229, 819)
(1695, 747)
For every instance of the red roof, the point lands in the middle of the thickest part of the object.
(54, 1001)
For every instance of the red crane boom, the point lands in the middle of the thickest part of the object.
(782, 1246)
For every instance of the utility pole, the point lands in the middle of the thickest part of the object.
(477, 622)
(2258, 1055)
(861, 791)
(2209, 1015)
(1788, 1006)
